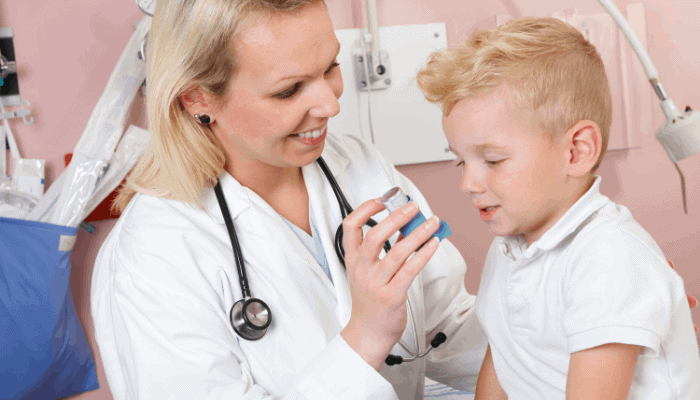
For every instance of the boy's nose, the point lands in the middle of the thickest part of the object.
(470, 184)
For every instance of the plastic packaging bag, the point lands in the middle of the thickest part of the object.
(28, 177)
(13, 202)
(62, 205)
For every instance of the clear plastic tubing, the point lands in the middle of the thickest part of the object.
(395, 198)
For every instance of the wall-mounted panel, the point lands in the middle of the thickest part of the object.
(407, 129)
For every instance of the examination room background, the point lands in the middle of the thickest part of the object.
(66, 50)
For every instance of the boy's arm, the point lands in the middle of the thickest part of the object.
(602, 373)
(487, 386)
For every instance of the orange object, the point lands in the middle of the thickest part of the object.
(102, 211)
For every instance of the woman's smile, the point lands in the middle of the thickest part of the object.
(311, 138)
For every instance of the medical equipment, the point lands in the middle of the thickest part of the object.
(21, 193)
(250, 317)
(372, 69)
(680, 135)
(9, 96)
(395, 198)
(9, 91)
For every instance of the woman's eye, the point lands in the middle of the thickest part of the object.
(493, 162)
(289, 93)
(332, 67)
(294, 89)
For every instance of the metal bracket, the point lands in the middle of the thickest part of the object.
(379, 71)
(7, 67)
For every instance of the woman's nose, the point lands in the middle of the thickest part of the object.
(326, 103)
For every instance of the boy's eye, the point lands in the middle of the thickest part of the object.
(493, 162)
(459, 164)
(294, 89)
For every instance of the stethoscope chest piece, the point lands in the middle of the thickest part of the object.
(250, 318)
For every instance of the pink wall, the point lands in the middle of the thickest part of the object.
(67, 49)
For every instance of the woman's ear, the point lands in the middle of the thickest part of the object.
(584, 142)
(195, 101)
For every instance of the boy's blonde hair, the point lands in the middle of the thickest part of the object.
(553, 72)
(189, 43)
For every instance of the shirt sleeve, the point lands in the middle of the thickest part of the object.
(448, 307)
(173, 341)
(618, 290)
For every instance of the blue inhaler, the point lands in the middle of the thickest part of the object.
(395, 198)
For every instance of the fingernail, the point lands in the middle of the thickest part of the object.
(410, 207)
(432, 222)
(434, 242)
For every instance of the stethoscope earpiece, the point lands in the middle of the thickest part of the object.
(437, 341)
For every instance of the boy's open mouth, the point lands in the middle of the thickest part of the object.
(487, 212)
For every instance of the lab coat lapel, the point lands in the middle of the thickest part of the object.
(280, 237)
(326, 214)
(272, 230)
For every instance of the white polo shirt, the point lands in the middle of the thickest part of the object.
(595, 277)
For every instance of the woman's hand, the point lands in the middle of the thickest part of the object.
(379, 287)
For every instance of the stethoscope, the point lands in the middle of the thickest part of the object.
(250, 316)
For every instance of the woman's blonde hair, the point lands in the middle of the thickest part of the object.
(189, 44)
(553, 72)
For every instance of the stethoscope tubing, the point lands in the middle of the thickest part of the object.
(243, 278)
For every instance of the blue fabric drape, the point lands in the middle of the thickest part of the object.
(43, 350)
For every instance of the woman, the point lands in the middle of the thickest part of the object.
(232, 85)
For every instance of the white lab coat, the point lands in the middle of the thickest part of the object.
(165, 280)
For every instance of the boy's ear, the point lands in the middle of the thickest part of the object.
(584, 143)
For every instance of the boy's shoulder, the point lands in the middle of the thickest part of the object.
(614, 228)
(610, 245)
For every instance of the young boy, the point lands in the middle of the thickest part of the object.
(577, 300)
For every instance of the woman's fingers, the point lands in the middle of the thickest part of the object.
(374, 241)
(396, 258)
(353, 223)
(404, 277)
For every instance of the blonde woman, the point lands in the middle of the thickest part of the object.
(239, 95)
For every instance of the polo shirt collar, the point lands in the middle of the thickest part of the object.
(589, 203)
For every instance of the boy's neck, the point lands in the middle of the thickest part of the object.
(579, 187)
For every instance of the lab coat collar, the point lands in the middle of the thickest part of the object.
(335, 161)
(589, 203)
(238, 197)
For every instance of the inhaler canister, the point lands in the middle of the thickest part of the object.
(395, 198)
